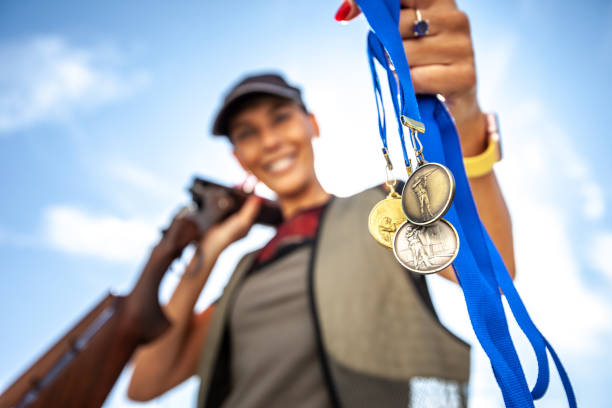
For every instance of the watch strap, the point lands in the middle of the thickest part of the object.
(481, 164)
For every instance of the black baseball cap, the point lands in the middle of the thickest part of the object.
(265, 84)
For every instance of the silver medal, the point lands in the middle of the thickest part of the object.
(426, 249)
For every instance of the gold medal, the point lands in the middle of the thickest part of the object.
(428, 193)
(426, 249)
(386, 217)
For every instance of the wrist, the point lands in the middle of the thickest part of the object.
(203, 260)
(482, 163)
(212, 246)
(473, 133)
(469, 121)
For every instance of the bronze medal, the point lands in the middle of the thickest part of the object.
(426, 249)
(428, 193)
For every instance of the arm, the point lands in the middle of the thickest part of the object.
(173, 357)
(489, 199)
(442, 62)
(495, 217)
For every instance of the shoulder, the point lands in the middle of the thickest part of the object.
(364, 199)
(369, 194)
(348, 213)
(242, 267)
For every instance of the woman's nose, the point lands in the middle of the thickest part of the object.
(270, 139)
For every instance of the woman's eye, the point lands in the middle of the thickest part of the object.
(281, 117)
(245, 134)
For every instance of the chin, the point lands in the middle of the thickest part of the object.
(288, 186)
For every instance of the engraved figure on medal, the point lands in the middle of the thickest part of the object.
(428, 193)
(386, 229)
(385, 218)
(426, 249)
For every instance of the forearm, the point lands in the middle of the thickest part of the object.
(485, 189)
(495, 216)
(179, 309)
(155, 364)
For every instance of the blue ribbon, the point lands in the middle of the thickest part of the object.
(479, 267)
(376, 51)
(380, 106)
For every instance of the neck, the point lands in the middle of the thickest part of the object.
(311, 196)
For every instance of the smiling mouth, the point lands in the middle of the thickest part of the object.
(280, 165)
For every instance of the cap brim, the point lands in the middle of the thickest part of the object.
(220, 125)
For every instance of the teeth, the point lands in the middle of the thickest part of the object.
(280, 164)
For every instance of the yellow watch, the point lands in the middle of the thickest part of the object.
(479, 165)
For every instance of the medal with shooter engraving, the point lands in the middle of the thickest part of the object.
(430, 189)
(426, 249)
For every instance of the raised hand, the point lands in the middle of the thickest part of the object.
(441, 61)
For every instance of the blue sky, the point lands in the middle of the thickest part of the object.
(105, 111)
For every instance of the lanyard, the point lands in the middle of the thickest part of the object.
(380, 110)
(479, 267)
(377, 52)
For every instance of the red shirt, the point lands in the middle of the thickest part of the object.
(299, 228)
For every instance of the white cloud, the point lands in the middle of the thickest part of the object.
(142, 179)
(74, 231)
(599, 254)
(549, 279)
(46, 78)
(594, 205)
(496, 62)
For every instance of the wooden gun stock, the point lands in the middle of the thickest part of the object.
(81, 368)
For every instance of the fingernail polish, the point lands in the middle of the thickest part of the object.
(343, 11)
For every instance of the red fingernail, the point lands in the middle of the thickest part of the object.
(343, 11)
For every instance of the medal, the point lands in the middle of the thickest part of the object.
(428, 193)
(386, 217)
(426, 249)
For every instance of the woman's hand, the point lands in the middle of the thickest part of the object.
(441, 62)
(184, 230)
(236, 226)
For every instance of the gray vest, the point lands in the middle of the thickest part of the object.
(380, 345)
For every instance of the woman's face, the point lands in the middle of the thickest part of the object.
(272, 139)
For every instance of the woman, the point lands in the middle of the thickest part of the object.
(323, 315)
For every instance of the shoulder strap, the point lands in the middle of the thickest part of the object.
(214, 337)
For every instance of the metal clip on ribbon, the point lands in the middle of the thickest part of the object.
(479, 266)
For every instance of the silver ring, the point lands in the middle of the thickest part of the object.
(421, 26)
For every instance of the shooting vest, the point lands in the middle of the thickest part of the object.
(379, 343)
